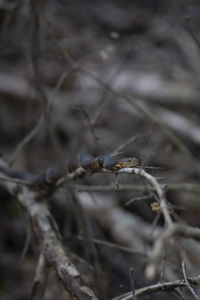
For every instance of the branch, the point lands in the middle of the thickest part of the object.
(160, 193)
(173, 231)
(188, 283)
(162, 287)
(54, 178)
(40, 280)
(49, 239)
(183, 186)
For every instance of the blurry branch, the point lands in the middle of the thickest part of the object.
(172, 229)
(40, 279)
(162, 287)
(184, 186)
(180, 124)
(188, 47)
(34, 45)
(18, 87)
(153, 88)
(49, 237)
(127, 143)
(35, 11)
(45, 228)
(15, 180)
(124, 228)
(91, 126)
(24, 90)
(116, 246)
(175, 230)
(191, 29)
(188, 283)
(105, 98)
(150, 196)
(145, 112)
(121, 224)
(131, 273)
(11, 158)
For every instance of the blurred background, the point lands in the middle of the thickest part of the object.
(86, 77)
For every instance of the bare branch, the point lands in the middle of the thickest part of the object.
(174, 230)
(40, 279)
(131, 271)
(117, 246)
(162, 287)
(184, 186)
(188, 283)
(50, 240)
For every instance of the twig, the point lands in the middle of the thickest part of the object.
(184, 186)
(174, 230)
(161, 195)
(15, 180)
(165, 286)
(187, 282)
(171, 231)
(26, 139)
(146, 112)
(92, 130)
(116, 246)
(34, 11)
(127, 143)
(141, 198)
(131, 272)
(40, 279)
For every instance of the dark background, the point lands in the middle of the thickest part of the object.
(148, 50)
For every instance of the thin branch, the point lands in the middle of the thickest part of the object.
(160, 192)
(188, 283)
(146, 112)
(34, 15)
(12, 157)
(40, 279)
(131, 272)
(92, 130)
(140, 198)
(49, 239)
(15, 180)
(162, 287)
(127, 143)
(184, 186)
(173, 231)
(116, 246)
